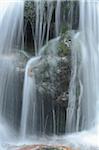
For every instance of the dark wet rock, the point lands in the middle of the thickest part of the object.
(52, 75)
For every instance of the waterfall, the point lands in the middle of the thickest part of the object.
(82, 112)
(43, 22)
(11, 24)
(89, 61)
(57, 17)
(40, 26)
(41, 37)
(89, 28)
(28, 118)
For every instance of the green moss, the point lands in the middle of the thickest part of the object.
(63, 49)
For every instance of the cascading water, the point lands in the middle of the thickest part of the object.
(40, 28)
(29, 108)
(82, 112)
(42, 24)
(83, 95)
(89, 75)
(57, 17)
(28, 120)
(10, 26)
(11, 23)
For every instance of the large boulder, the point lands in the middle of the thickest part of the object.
(52, 75)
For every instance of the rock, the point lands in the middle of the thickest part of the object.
(42, 147)
(52, 147)
(52, 75)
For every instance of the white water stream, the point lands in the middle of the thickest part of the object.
(11, 24)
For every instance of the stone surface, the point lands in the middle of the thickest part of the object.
(41, 147)
(52, 75)
(52, 147)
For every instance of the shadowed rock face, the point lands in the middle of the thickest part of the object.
(53, 95)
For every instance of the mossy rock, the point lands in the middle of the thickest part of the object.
(63, 49)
